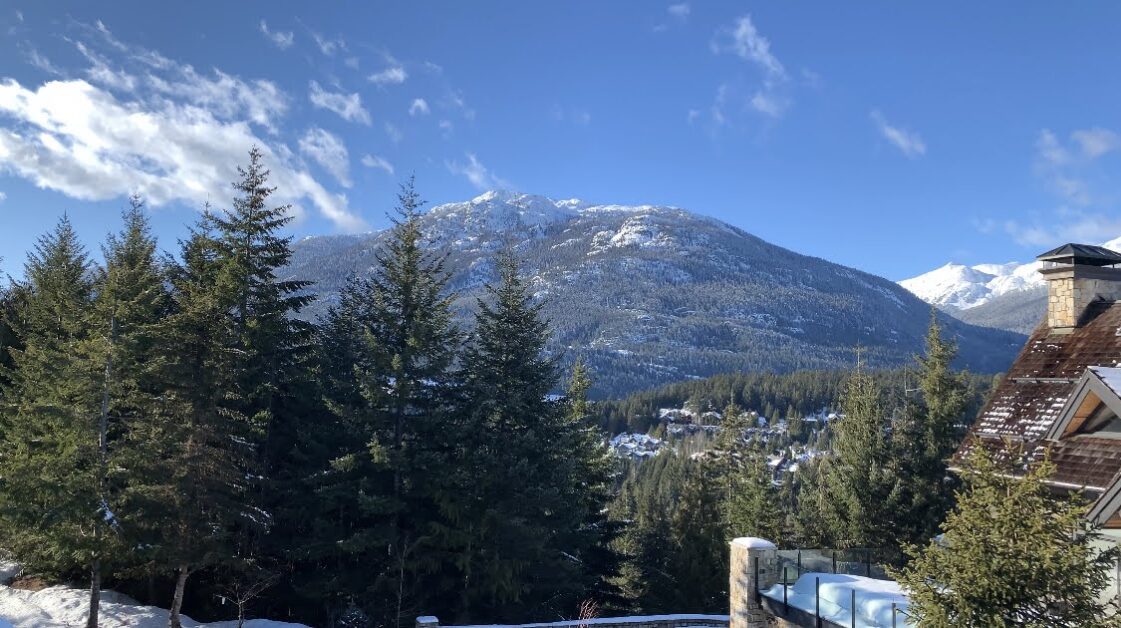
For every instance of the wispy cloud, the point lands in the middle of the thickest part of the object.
(328, 151)
(908, 142)
(328, 45)
(1065, 226)
(419, 107)
(742, 39)
(1068, 167)
(576, 116)
(394, 75)
(282, 39)
(43, 63)
(348, 106)
(395, 135)
(478, 174)
(679, 11)
(376, 162)
(3, 197)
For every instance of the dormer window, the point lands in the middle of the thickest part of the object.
(1103, 421)
(1093, 407)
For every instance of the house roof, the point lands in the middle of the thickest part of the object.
(1032, 397)
(1082, 254)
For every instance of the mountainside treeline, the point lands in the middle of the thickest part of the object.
(771, 395)
(171, 428)
(648, 295)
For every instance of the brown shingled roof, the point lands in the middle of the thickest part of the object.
(1037, 386)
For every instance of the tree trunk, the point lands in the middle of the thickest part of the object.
(95, 593)
(177, 599)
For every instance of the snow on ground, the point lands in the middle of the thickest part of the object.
(873, 599)
(63, 607)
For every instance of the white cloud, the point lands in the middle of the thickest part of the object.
(375, 161)
(680, 11)
(446, 127)
(768, 102)
(745, 41)
(395, 134)
(282, 39)
(85, 142)
(39, 61)
(328, 151)
(477, 174)
(1096, 142)
(3, 197)
(1075, 226)
(328, 46)
(100, 72)
(348, 106)
(394, 75)
(227, 96)
(1068, 167)
(419, 107)
(908, 142)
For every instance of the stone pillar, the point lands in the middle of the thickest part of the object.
(427, 621)
(744, 610)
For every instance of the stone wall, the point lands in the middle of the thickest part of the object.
(1070, 290)
(753, 566)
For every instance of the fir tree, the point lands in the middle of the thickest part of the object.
(49, 458)
(1013, 554)
(857, 486)
(390, 390)
(130, 301)
(926, 436)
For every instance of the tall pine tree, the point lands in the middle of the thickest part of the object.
(49, 454)
(130, 300)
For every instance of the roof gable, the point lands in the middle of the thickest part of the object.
(1096, 387)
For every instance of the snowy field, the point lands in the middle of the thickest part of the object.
(64, 607)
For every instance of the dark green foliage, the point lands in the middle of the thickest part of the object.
(856, 481)
(1013, 554)
(926, 434)
(48, 453)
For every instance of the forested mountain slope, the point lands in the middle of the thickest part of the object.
(648, 295)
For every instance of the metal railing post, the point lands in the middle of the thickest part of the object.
(817, 601)
(868, 562)
(799, 563)
(785, 603)
(834, 561)
(852, 609)
(893, 611)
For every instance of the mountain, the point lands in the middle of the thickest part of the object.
(648, 294)
(1009, 296)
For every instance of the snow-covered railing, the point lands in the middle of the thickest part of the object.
(813, 588)
(841, 600)
(684, 620)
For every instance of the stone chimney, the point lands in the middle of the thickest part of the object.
(1077, 275)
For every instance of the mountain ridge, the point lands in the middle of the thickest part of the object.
(1010, 296)
(650, 294)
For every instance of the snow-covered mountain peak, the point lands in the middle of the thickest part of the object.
(961, 287)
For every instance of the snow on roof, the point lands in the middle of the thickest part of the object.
(751, 542)
(1110, 377)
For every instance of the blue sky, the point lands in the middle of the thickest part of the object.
(888, 136)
